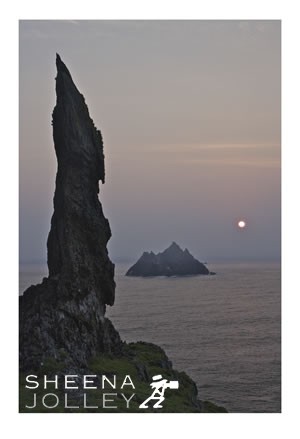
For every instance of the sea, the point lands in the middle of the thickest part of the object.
(224, 330)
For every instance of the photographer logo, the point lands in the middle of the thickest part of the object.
(159, 385)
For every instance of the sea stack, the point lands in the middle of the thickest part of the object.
(63, 328)
(171, 262)
(65, 314)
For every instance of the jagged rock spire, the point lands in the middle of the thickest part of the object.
(79, 231)
(64, 315)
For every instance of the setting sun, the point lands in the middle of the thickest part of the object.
(241, 224)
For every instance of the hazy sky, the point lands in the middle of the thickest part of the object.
(190, 116)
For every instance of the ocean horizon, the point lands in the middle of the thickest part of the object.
(223, 330)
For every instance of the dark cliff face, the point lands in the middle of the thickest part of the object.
(65, 314)
(79, 231)
(171, 262)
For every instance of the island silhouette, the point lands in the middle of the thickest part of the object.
(173, 261)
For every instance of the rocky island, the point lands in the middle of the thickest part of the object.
(171, 262)
(63, 327)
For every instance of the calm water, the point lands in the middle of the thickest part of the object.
(223, 330)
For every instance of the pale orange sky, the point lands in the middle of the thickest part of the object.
(190, 116)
